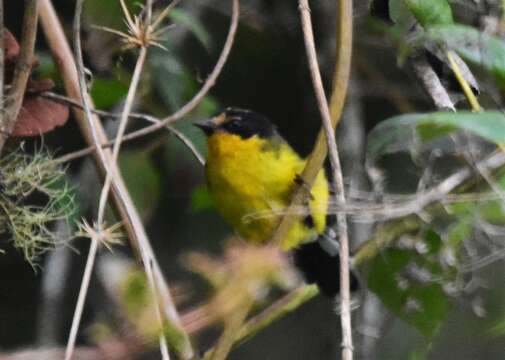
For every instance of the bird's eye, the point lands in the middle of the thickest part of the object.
(233, 126)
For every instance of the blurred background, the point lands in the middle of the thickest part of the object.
(266, 72)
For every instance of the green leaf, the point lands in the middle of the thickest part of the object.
(433, 242)
(183, 18)
(400, 132)
(474, 46)
(401, 15)
(176, 84)
(142, 180)
(498, 329)
(201, 199)
(460, 230)
(431, 12)
(107, 92)
(418, 300)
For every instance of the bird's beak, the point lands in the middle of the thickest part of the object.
(208, 126)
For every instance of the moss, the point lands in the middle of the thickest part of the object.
(33, 195)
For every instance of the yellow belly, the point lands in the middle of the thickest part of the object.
(250, 182)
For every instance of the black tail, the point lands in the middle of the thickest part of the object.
(321, 268)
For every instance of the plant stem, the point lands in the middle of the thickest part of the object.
(231, 328)
(81, 299)
(341, 78)
(209, 82)
(15, 96)
(91, 149)
(467, 90)
(122, 200)
(280, 308)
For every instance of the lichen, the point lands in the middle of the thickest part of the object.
(34, 194)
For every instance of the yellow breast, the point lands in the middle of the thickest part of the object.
(251, 181)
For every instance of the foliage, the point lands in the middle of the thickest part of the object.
(410, 278)
(474, 46)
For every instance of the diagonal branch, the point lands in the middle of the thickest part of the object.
(209, 82)
(122, 199)
(91, 149)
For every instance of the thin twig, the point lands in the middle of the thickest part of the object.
(317, 157)
(338, 181)
(122, 127)
(110, 176)
(467, 90)
(90, 149)
(231, 328)
(22, 71)
(122, 199)
(79, 308)
(209, 82)
(275, 311)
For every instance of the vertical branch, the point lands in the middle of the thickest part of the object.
(108, 163)
(341, 80)
(318, 155)
(22, 71)
(92, 129)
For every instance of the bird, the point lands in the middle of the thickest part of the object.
(251, 171)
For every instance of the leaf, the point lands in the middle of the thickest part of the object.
(498, 329)
(400, 132)
(182, 17)
(107, 92)
(11, 46)
(409, 281)
(38, 116)
(142, 180)
(176, 84)
(400, 14)
(474, 46)
(430, 12)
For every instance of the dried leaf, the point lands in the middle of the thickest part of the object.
(38, 116)
(11, 46)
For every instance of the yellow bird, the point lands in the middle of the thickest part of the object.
(250, 172)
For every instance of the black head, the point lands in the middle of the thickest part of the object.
(244, 123)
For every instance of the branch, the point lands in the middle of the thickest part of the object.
(278, 309)
(432, 84)
(316, 159)
(231, 327)
(91, 149)
(122, 199)
(22, 71)
(209, 83)
(345, 12)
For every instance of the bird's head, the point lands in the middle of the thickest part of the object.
(244, 123)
